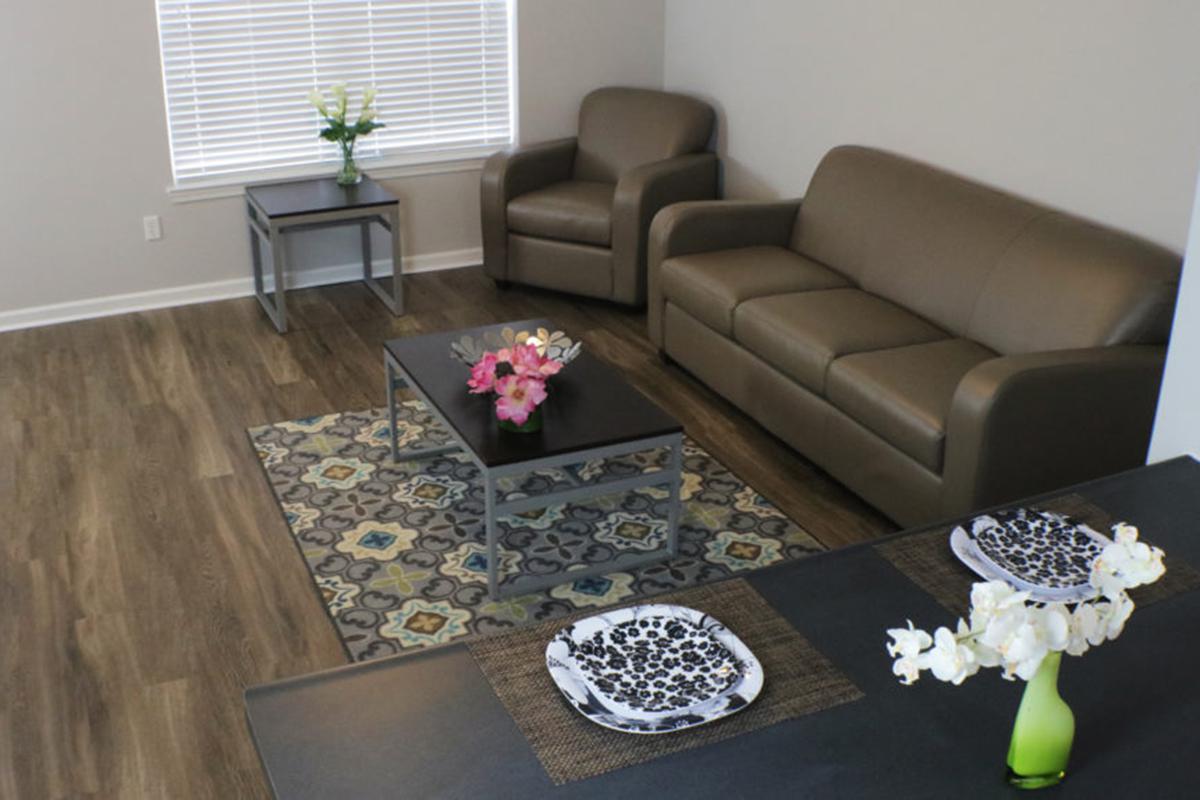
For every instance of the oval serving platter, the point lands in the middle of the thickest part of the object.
(653, 669)
(1047, 554)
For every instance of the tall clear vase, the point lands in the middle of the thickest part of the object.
(349, 174)
(1043, 731)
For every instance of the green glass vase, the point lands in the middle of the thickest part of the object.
(1043, 731)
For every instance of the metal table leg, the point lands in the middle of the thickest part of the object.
(395, 300)
(269, 237)
(391, 400)
(398, 379)
(493, 543)
(675, 472)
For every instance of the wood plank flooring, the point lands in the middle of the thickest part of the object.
(146, 576)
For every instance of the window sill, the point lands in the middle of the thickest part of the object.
(380, 169)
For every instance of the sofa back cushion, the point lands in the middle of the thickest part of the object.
(1013, 275)
(1067, 283)
(623, 128)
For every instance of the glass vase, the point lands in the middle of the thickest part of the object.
(532, 425)
(349, 174)
(1043, 731)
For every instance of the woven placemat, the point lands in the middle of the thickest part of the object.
(927, 560)
(799, 681)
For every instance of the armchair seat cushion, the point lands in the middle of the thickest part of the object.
(800, 334)
(570, 211)
(711, 285)
(903, 394)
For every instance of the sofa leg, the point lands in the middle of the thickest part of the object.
(503, 285)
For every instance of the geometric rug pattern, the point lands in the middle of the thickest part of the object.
(397, 553)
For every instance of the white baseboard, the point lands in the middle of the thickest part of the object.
(222, 290)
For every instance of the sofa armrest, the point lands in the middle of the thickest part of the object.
(507, 174)
(1026, 424)
(640, 194)
(699, 227)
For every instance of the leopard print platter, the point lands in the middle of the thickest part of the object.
(653, 669)
(1046, 550)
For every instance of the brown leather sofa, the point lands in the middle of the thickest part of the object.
(574, 214)
(936, 345)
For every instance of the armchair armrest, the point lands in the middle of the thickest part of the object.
(640, 194)
(507, 174)
(1026, 424)
(713, 225)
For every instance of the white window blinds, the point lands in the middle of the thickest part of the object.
(236, 73)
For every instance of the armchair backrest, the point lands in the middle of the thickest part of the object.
(622, 128)
(1013, 275)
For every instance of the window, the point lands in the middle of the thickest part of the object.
(236, 73)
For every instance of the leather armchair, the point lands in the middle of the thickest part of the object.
(574, 214)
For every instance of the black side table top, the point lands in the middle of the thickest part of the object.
(590, 403)
(312, 196)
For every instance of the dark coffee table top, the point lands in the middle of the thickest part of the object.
(292, 198)
(590, 403)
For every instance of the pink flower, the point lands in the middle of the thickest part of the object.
(526, 361)
(483, 374)
(518, 397)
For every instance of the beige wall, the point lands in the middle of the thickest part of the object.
(1091, 105)
(90, 157)
(569, 47)
(1177, 426)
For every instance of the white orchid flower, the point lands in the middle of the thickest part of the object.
(907, 669)
(1126, 563)
(1009, 630)
(368, 96)
(908, 642)
(1086, 629)
(367, 115)
(1118, 615)
(990, 598)
(949, 660)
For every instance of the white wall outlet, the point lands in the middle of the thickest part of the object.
(152, 227)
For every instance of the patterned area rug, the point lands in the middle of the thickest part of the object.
(397, 550)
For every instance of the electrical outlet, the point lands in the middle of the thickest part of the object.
(152, 227)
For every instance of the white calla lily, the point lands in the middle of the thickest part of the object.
(318, 102)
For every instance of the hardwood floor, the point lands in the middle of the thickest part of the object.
(146, 576)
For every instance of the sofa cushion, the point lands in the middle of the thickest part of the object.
(709, 286)
(571, 211)
(801, 333)
(903, 394)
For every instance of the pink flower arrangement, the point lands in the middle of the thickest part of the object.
(517, 376)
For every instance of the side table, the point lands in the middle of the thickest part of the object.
(276, 209)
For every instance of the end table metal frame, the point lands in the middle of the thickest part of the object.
(270, 232)
(496, 507)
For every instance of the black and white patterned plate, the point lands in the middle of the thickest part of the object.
(653, 669)
(1047, 554)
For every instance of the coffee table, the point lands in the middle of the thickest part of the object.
(592, 414)
(276, 209)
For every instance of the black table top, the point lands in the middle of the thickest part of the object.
(428, 725)
(293, 198)
(590, 403)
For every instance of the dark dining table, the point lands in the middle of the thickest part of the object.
(430, 726)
